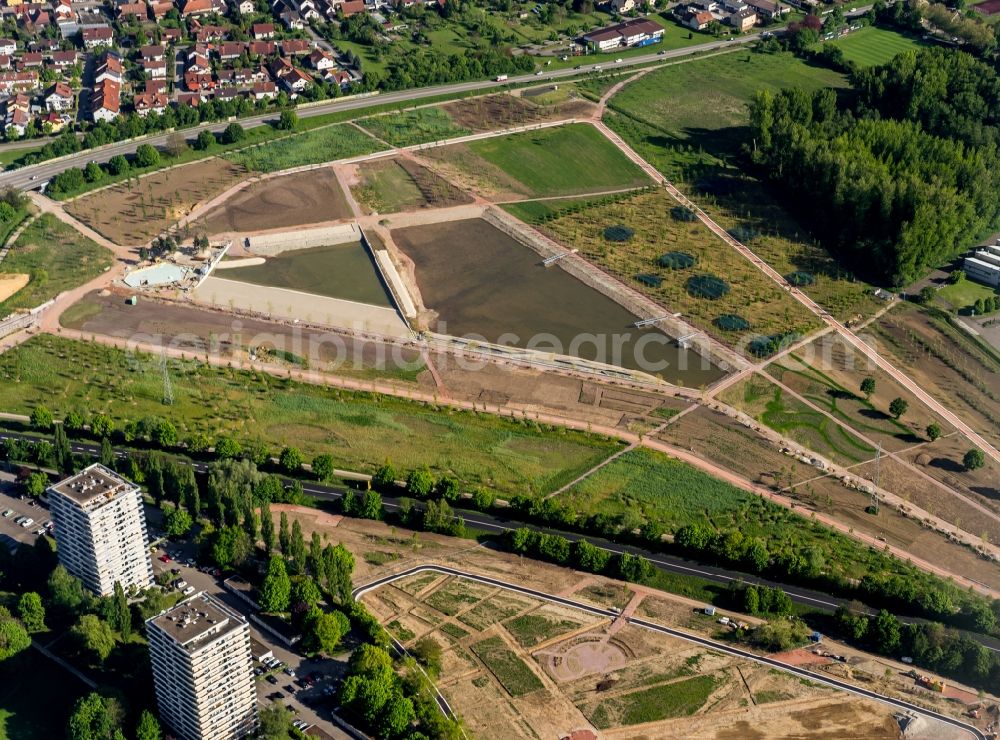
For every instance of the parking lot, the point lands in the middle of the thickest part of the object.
(308, 693)
(14, 508)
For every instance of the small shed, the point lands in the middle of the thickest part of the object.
(710, 611)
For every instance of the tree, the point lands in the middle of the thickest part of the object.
(41, 418)
(31, 611)
(231, 548)
(275, 722)
(228, 448)
(178, 521)
(284, 536)
(868, 387)
(13, 637)
(428, 651)
(205, 140)
(102, 426)
(275, 592)
(95, 635)
(297, 547)
(63, 451)
(288, 120)
(322, 632)
(933, 431)
(146, 156)
(420, 482)
(338, 567)
(305, 591)
(65, 590)
(385, 477)
(974, 459)
(95, 717)
(898, 407)
(120, 616)
(118, 165)
(751, 600)
(93, 172)
(322, 466)
(267, 527)
(148, 727)
(107, 456)
(885, 632)
(588, 557)
(36, 484)
(233, 134)
(290, 459)
(364, 505)
(74, 422)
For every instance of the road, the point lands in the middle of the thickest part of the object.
(697, 640)
(30, 177)
(498, 524)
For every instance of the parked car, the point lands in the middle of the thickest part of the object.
(289, 672)
(8, 514)
(188, 591)
(272, 679)
(180, 584)
(164, 558)
(40, 531)
(28, 521)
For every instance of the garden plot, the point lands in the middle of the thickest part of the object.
(649, 242)
(135, 211)
(493, 112)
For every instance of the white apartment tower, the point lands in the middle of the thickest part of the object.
(203, 670)
(100, 530)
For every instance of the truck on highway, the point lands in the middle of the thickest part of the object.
(501, 78)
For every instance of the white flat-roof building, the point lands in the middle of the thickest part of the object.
(203, 670)
(100, 530)
(983, 266)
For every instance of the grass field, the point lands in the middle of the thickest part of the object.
(564, 160)
(963, 295)
(56, 256)
(491, 611)
(531, 629)
(872, 46)
(512, 672)
(312, 147)
(678, 699)
(359, 429)
(36, 697)
(413, 127)
(393, 185)
(752, 295)
(768, 403)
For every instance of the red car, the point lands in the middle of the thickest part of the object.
(164, 558)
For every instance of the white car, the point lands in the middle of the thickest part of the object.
(618, 60)
(188, 591)
(27, 522)
(8, 514)
(181, 585)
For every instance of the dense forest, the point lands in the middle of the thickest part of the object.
(898, 177)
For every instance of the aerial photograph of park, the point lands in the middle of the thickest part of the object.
(558, 370)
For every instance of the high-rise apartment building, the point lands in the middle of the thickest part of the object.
(100, 530)
(203, 670)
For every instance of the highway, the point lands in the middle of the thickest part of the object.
(495, 522)
(27, 178)
(687, 637)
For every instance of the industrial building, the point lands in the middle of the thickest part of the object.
(203, 670)
(100, 530)
(983, 266)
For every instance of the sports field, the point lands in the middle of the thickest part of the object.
(871, 46)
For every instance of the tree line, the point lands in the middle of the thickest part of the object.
(898, 177)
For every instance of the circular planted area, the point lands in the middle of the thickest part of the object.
(731, 322)
(676, 260)
(618, 233)
(765, 346)
(800, 278)
(743, 233)
(711, 287)
(683, 213)
(650, 281)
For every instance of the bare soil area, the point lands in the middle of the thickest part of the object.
(494, 112)
(11, 283)
(135, 211)
(280, 202)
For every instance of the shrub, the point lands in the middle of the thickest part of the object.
(800, 278)
(618, 233)
(767, 345)
(650, 281)
(676, 260)
(743, 233)
(731, 322)
(707, 286)
(683, 213)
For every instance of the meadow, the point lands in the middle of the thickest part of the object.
(56, 257)
(512, 672)
(416, 126)
(359, 429)
(564, 160)
(677, 699)
(870, 46)
(310, 147)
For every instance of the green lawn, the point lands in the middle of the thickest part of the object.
(963, 295)
(678, 699)
(56, 256)
(512, 672)
(413, 127)
(36, 697)
(561, 161)
(12, 155)
(872, 46)
(311, 147)
(531, 629)
(359, 429)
